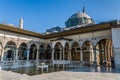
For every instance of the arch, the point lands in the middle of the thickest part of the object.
(11, 43)
(33, 52)
(66, 54)
(59, 45)
(22, 51)
(58, 51)
(86, 41)
(10, 51)
(104, 51)
(42, 54)
(88, 55)
(101, 39)
(44, 45)
(75, 51)
(48, 52)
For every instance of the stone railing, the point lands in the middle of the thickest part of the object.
(61, 62)
(21, 62)
(32, 62)
(7, 63)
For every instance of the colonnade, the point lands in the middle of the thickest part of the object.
(87, 53)
(100, 53)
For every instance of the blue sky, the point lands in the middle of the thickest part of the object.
(40, 15)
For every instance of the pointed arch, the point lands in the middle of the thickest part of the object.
(66, 54)
(33, 52)
(104, 52)
(10, 51)
(75, 51)
(22, 51)
(58, 51)
(108, 38)
(42, 54)
(88, 55)
(48, 52)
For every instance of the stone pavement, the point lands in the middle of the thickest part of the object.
(62, 75)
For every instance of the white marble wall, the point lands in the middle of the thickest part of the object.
(116, 45)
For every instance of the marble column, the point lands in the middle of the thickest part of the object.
(16, 54)
(37, 55)
(81, 55)
(106, 57)
(69, 53)
(3, 50)
(27, 54)
(94, 50)
(52, 56)
(63, 57)
(109, 56)
(60, 54)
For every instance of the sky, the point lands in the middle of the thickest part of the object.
(39, 15)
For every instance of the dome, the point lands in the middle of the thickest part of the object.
(79, 19)
(79, 15)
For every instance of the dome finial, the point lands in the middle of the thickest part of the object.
(83, 7)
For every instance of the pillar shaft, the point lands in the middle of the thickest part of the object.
(94, 50)
(81, 55)
(16, 54)
(2, 54)
(52, 56)
(69, 53)
(63, 54)
(27, 54)
(37, 57)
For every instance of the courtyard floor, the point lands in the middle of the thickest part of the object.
(74, 74)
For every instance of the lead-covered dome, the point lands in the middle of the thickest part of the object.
(79, 19)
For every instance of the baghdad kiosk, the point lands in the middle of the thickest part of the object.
(81, 41)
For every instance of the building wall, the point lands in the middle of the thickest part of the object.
(92, 37)
(116, 45)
